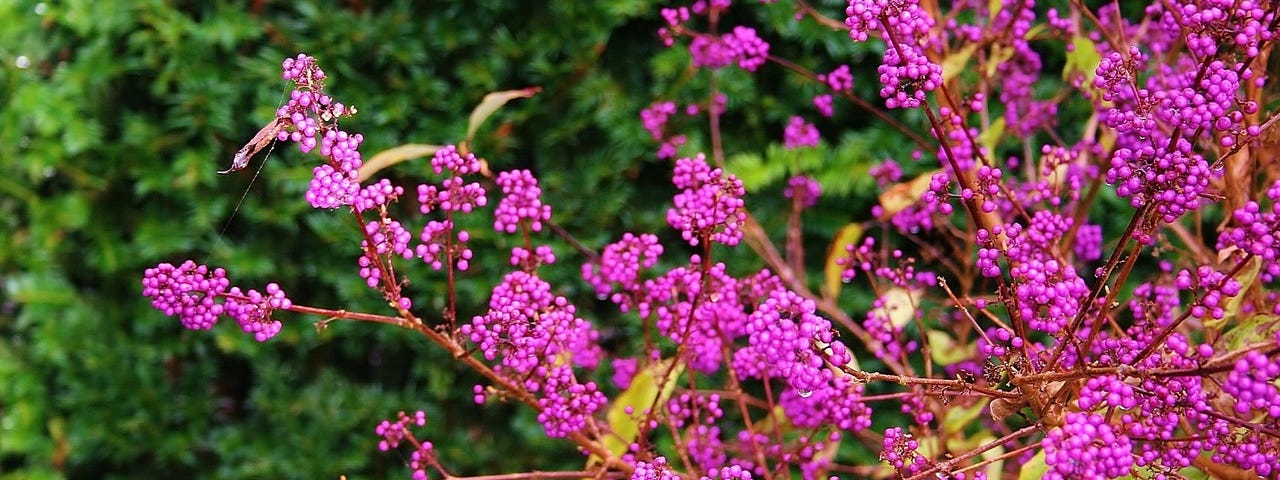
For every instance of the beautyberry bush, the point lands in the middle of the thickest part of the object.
(1077, 283)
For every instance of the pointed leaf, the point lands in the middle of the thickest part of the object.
(833, 271)
(1035, 468)
(491, 103)
(945, 351)
(642, 394)
(1083, 59)
(394, 155)
(898, 197)
(990, 137)
(956, 418)
(955, 63)
(1257, 328)
(1247, 277)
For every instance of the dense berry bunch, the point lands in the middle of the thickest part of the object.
(1086, 447)
(1256, 232)
(803, 190)
(536, 338)
(253, 310)
(709, 205)
(521, 203)
(800, 133)
(618, 269)
(188, 291)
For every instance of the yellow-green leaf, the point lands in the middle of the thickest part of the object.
(642, 394)
(955, 63)
(898, 197)
(833, 271)
(491, 103)
(990, 137)
(1257, 328)
(1083, 59)
(945, 351)
(957, 418)
(1247, 277)
(899, 306)
(1034, 468)
(995, 469)
(776, 422)
(999, 55)
(394, 155)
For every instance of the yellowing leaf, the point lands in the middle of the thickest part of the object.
(899, 306)
(1257, 328)
(1107, 139)
(944, 350)
(776, 422)
(957, 418)
(999, 55)
(1083, 59)
(491, 103)
(643, 393)
(833, 271)
(1035, 31)
(1035, 468)
(990, 137)
(1247, 277)
(394, 155)
(955, 63)
(900, 196)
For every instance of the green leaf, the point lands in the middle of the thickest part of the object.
(945, 351)
(1256, 328)
(1034, 469)
(1083, 60)
(1247, 277)
(957, 61)
(957, 418)
(642, 394)
(990, 137)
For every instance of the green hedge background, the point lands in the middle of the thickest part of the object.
(115, 115)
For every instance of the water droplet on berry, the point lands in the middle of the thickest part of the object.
(804, 393)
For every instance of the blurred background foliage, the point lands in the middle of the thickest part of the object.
(115, 115)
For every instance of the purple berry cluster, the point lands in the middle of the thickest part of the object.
(803, 190)
(521, 203)
(619, 267)
(709, 206)
(1086, 446)
(1164, 359)
(198, 295)
(188, 291)
(536, 338)
(800, 133)
(906, 73)
(393, 433)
